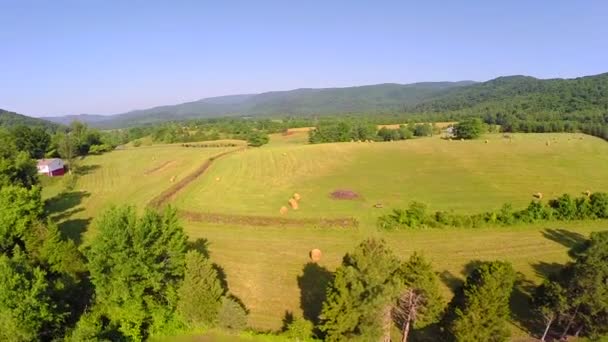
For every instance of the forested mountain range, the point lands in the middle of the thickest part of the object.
(11, 119)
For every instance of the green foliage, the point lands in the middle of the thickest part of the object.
(35, 141)
(421, 299)
(25, 305)
(550, 301)
(99, 149)
(563, 208)
(481, 311)
(363, 287)
(12, 119)
(136, 265)
(16, 167)
(299, 330)
(423, 130)
(201, 291)
(232, 315)
(471, 128)
(20, 209)
(257, 138)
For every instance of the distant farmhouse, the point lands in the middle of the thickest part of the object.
(51, 167)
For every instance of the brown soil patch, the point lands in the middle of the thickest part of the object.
(160, 167)
(344, 195)
(165, 196)
(267, 221)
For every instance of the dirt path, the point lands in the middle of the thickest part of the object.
(162, 199)
(160, 167)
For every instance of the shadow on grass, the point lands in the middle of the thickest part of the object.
(64, 201)
(566, 238)
(520, 304)
(313, 284)
(82, 170)
(74, 229)
(62, 207)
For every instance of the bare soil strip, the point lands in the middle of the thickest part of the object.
(159, 167)
(162, 199)
(268, 221)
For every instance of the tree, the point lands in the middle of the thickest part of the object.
(420, 301)
(66, 147)
(423, 130)
(361, 294)
(16, 167)
(136, 265)
(35, 141)
(469, 129)
(299, 329)
(482, 309)
(232, 315)
(549, 302)
(257, 138)
(201, 291)
(25, 306)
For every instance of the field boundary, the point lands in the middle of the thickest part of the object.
(162, 199)
(267, 221)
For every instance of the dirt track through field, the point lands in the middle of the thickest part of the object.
(266, 221)
(160, 167)
(162, 199)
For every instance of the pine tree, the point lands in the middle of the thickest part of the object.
(201, 291)
(420, 301)
(365, 285)
(550, 302)
(482, 310)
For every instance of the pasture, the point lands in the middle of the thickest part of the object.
(266, 266)
(463, 176)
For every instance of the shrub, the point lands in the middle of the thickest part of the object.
(99, 149)
(469, 129)
(299, 329)
(564, 206)
(599, 204)
(232, 315)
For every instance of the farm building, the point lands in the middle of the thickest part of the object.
(51, 167)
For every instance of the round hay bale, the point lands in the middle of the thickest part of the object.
(217, 179)
(548, 143)
(173, 179)
(293, 204)
(283, 210)
(315, 255)
(297, 196)
(486, 141)
(587, 193)
(461, 139)
(538, 195)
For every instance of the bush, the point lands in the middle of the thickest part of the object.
(599, 204)
(565, 207)
(99, 149)
(469, 129)
(299, 329)
(257, 138)
(232, 315)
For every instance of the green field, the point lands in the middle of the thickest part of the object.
(464, 176)
(262, 264)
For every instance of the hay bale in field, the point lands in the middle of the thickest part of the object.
(284, 154)
(283, 210)
(217, 179)
(486, 141)
(173, 179)
(297, 196)
(538, 195)
(587, 193)
(378, 205)
(315, 255)
(293, 204)
(548, 143)
(461, 139)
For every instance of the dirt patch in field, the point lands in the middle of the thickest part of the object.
(268, 221)
(160, 167)
(165, 196)
(344, 194)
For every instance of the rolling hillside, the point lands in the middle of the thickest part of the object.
(371, 98)
(10, 119)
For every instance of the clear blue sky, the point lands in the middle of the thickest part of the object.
(103, 57)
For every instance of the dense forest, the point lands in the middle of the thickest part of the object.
(11, 119)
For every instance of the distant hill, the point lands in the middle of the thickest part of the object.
(11, 119)
(524, 94)
(371, 98)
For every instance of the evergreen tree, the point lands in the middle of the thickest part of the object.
(364, 287)
(550, 302)
(482, 309)
(420, 301)
(201, 292)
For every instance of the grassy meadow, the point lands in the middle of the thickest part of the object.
(464, 176)
(266, 267)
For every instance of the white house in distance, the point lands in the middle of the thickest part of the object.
(51, 167)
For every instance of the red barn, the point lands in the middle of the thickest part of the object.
(51, 167)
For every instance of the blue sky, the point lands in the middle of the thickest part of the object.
(103, 57)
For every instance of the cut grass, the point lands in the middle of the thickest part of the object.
(131, 176)
(464, 176)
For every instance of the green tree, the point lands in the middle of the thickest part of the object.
(299, 330)
(232, 315)
(482, 309)
(257, 138)
(360, 297)
(201, 291)
(420, 301)
(25, 305)
(16, 167)
(469, 129)
(67, 148)
(550, 302)
(34, 141)
(423, 130)
(136, 265)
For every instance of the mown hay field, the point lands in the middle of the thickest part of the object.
(131, 176)
(464, 176)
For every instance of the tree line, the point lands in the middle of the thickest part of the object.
(589, 206)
